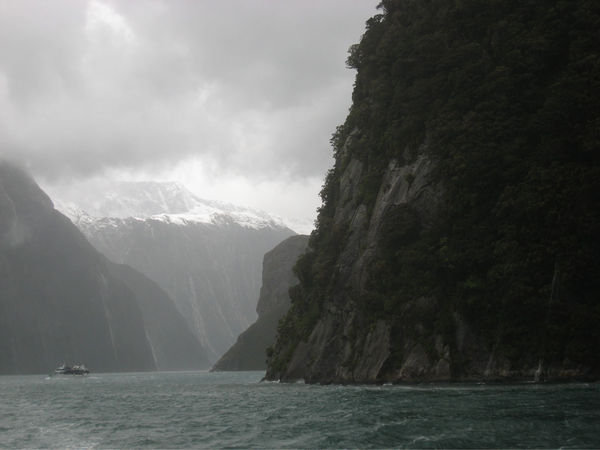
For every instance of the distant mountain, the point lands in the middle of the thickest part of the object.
(61, 300)
(169, 202)
(173, 345)
(206, 255)
(249, 351)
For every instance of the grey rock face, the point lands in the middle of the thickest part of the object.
(248, 353)
(278, 275)
(344, 347)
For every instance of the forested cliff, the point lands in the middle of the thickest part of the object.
(458, 235)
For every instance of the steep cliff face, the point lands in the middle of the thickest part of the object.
(345, 345)
(249, 351)
(60, 300)
(457, 232)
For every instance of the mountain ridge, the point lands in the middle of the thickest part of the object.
(167, 201)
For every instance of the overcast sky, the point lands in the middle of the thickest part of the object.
(236, 99)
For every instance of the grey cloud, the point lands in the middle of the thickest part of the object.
(39, 42)
(257, 86)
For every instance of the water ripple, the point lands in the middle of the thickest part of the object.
(200, 409)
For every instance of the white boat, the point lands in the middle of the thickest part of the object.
(77, 369)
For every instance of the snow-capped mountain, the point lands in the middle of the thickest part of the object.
(169, 202)
(206, 255)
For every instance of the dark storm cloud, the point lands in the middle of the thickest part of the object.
(254, 86)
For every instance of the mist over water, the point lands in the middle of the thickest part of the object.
(200, 409)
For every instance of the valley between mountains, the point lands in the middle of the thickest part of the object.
(150, 285)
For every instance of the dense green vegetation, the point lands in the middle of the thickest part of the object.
(504, 96)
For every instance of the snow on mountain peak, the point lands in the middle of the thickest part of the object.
(168, 202)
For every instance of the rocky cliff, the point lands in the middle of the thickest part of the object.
(250, 350)
(456, 238)
(61, 300)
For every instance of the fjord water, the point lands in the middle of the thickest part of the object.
(201, 409)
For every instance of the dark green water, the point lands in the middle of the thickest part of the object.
(199, 409)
